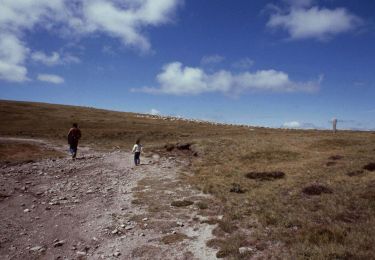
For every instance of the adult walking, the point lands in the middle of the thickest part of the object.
(73, 137)
(137, 149)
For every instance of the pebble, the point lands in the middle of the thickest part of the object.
(180, 224)
(59, 243)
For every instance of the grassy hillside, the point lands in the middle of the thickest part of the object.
(291, 194)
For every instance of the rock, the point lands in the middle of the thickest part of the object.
(114, 232)
(26, 210)
(81, 253)
(180, 224)
(36, 248)
(116, 254)
(144, 219)
(142, 234)
(244, 250)
(155, 157)
(174, 232)
(128, 227)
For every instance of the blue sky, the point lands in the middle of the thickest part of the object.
(291, 63)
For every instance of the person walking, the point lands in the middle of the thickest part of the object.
(73, 136)
(137, 149)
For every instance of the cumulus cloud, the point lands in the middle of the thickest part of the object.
(50, 78)
(124, 20)
(292, 124)
(154, 112)
(177, 79)
(212, 59)
(314, 22)
(13, 53)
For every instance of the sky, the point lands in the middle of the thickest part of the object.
(285, 63)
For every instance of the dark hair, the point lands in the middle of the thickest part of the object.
(75, 125)
(138, 141)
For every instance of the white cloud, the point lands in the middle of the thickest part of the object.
(176, 79)
(13, 53)
(54, 59)
(125, 20)
(154, 112)
(50, 78)
(314, 22)
(244, 63)
(292, 124)
(212, 59)
(51, 60)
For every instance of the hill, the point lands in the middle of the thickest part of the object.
(288, 193)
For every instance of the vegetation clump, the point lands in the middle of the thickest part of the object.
(181, 203)
(265, 176)
(316, 189)
(183, 146)
(370, 167)
(355, 173)
(335, 157)
(173, 238)
(236, 188)
(330, 163)
(169, 147)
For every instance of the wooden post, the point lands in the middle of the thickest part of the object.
(334, 125)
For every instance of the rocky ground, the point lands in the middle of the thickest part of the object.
(101, 207)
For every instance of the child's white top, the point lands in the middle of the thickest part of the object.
(137, 148)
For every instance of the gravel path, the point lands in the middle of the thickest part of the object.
(101, 207)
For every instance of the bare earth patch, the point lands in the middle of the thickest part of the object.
(369, 167)
(316, 189)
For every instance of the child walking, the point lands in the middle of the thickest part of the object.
(137, 149)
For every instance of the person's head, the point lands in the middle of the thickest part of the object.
(75, 125)
(138, 141)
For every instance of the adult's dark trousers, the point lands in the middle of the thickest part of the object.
(73, 149)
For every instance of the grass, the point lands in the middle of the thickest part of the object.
(276, 215)
(18, 152)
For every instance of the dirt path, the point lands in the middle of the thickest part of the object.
(100, 207)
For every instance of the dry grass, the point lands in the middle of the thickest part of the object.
(284, 221)
(18, 152)
(335, 223)
(173, 238)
